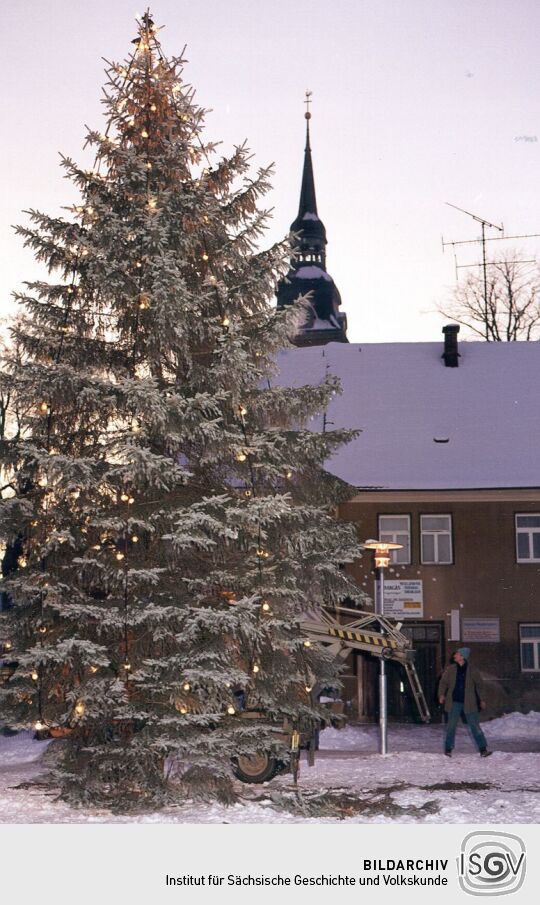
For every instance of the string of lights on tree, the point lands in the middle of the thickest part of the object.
(154, 585)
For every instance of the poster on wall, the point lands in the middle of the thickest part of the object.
(487, 630)
(402, 599)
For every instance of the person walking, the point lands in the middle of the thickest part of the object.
(461, 691)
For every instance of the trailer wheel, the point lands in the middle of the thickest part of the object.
(258, 767)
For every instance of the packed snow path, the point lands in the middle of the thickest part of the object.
(414, 783)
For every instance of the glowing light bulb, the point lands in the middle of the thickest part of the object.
(152, 203)
(230, 710)
(183, 709)
(8, 645)
(265, 607)
(96, 547)
(225, 322)
(39, 725)
(205, 257)
(35, 676)
(124, 497)
(307, 643)
(289, 474)
(44, 407)
(79, 708)
(247, 493)
(241, 457)
(148, 165)
(153, 108)
(119, 556)
(144, 134)
(127, 667)
(93, 669)
(131, 501)
(256, 668)
(308, 688)
(138, 264)
(135, 539)
(242, 410)
(23, 562)
(43, 481)
(135, 427)
(186, 686)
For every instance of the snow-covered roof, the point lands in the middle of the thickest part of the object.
(320, 323)
(312, 272)
(426, 426)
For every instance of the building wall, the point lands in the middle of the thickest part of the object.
(484, 580)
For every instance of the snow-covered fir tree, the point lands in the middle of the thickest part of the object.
(169, 519)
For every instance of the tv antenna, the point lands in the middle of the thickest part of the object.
(484, 263)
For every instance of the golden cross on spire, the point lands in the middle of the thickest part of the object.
(307, 102)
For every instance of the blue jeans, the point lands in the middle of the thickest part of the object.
(473, 721)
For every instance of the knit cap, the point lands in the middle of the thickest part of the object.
(465, 652)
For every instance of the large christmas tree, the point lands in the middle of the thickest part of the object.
(169, 519)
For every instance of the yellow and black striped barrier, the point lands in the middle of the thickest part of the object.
(377, 640)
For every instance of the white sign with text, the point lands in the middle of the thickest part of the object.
(402, 599)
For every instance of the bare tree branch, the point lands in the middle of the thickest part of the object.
(511, 310)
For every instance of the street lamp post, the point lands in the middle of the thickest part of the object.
(382, 560)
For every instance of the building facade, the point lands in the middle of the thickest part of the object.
(447, 464)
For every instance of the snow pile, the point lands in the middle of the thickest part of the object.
(20, 749)
(515, 725)
(352, 738)
(411, 737)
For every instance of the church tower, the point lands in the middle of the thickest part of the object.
(324, 322)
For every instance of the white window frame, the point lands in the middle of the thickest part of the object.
(535, 640)
(529, 532)
(447, 532)
(395, 537)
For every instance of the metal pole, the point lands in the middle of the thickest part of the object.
(484, 268)
(383, 709)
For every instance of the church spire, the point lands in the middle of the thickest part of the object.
(308, 200)
(308, 276)
(307, 223)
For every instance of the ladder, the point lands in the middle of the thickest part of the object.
(371, 633)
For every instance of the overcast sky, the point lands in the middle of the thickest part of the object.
(415, 103)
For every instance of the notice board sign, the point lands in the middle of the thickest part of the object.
(402, 599)
(481, 630)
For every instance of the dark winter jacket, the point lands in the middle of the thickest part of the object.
(474, 688)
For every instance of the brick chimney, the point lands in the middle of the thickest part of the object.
(451, 355)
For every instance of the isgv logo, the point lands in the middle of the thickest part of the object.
(491, 864)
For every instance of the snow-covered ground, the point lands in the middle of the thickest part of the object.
(350, 781)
